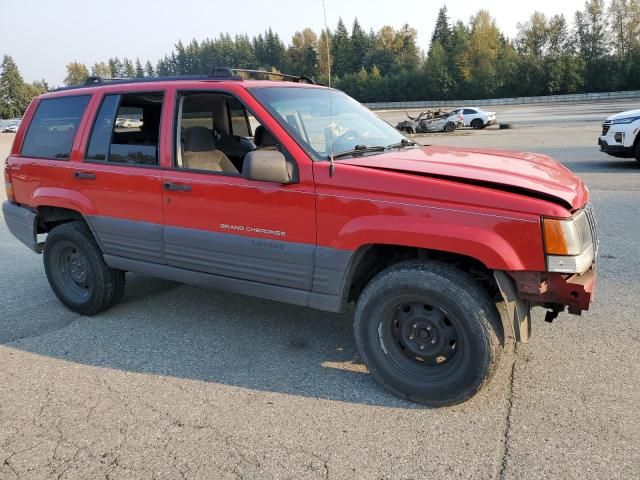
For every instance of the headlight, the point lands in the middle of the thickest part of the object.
(568, 244)
(625, 120)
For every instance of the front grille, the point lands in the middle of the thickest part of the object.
(605, 128)
(591, 217)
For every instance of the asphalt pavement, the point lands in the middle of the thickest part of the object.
(182, 382)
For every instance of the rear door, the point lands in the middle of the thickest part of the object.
(223, 224)
(120, 174)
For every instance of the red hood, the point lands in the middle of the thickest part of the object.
(527, 171)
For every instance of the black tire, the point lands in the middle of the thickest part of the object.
(448, 314)
(76, 270)
(638, 149)
(449, 127)
(477, 124)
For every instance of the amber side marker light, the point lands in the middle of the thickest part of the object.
(560, 237)
(8, 187)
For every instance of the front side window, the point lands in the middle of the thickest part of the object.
(127, 129)
(213, 133)
(53, 127)
(326, 121)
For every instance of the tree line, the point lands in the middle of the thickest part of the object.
(598, 51)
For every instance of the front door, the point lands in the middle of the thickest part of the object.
(218, 222)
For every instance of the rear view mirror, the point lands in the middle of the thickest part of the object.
(267, 165)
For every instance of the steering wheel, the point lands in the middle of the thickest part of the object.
(346, 141)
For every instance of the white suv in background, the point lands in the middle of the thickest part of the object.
(476, 117)
(620, 136)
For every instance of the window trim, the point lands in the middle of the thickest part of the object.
(174, 149)
(95, 119)
(75, 133)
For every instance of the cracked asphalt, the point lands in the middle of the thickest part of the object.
(182, 382)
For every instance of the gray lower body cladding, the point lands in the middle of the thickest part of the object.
(291, 272)
(22, 223)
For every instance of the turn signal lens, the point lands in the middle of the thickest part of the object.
(8, 187)
(561, 237)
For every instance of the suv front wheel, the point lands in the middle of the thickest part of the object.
(76, 271)
(428, 332)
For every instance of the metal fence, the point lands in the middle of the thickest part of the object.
(577, 97)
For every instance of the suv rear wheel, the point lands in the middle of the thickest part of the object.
(76, 270)
(428, 332)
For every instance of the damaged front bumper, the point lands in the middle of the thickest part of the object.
(555, 291)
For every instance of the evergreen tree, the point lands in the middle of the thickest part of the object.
(13, 94)
(139, 69)
(128, 69)
(148, 69)
(359, 44)
(116, 68)
(442, 31)
(341, 50)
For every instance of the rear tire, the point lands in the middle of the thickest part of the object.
(428, 332)
(76, 271)
(638, 150)
(477, 124)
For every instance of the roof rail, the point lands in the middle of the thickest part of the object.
(218, 73)
(294, 78)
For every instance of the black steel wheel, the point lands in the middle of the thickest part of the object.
(76, 270)
(71, 271)
(428, 332)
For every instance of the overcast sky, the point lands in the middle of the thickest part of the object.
(43, 36)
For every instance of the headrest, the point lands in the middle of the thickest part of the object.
(197, 139)
(262, 138)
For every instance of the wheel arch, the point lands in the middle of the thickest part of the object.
(369, 260)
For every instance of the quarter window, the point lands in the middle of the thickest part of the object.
(53, 127)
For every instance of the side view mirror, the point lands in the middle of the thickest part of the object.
(267, 165)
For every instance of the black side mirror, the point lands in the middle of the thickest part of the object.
(267, 165)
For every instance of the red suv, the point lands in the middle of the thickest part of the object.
(295, 192)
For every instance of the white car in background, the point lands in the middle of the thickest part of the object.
(621, 135)
(476, 117)
(10, 126)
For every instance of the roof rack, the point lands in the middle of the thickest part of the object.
(219, 73)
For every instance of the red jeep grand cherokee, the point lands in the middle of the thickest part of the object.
(295, 192)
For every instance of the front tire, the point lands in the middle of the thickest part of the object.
(637, 150)
(428, 332)
(76, 271)
(477, 124)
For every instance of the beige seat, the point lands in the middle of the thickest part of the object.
(200, 152)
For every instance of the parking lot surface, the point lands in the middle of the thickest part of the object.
(182, 382)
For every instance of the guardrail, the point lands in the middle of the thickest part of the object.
(577, 97)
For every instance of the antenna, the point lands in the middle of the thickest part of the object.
(332, 165)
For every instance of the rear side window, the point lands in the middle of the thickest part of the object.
(53, 127)
(127, 129)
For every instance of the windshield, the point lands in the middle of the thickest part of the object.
(326, 121)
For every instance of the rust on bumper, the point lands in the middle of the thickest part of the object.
(575, 291)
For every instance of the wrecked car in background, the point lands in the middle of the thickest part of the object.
(431, 121)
